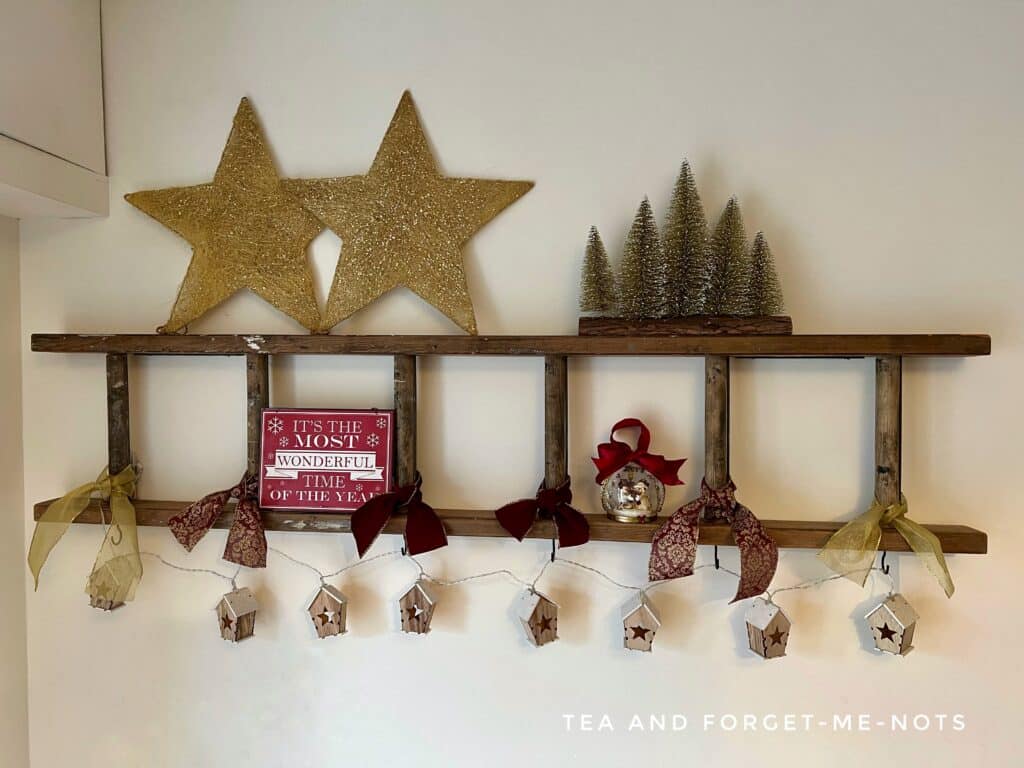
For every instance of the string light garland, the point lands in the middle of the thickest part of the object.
(891, 622)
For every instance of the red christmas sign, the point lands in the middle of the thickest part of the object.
(325, 460)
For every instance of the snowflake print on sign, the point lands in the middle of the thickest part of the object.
(325, 460)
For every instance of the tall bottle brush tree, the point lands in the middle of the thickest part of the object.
(764, 294)
(643, 281)
(597, 284)
(685, 245)
(728, 266)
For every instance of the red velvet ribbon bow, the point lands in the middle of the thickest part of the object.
(614, 455)
(674, 547)
(518, 517)
(424, 530)
(247, 542)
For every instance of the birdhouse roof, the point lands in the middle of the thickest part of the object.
(333, 592)
(424, 589)
(897, 606)
(240, 602)
(761, 613)
(528, 603)
(639, 602)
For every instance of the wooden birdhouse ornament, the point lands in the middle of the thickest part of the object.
(539, 615)
(892, 625)
(640, 623)
(102, 590)
(328, 611)
(767, 629)
(416, 608)
(236, 613)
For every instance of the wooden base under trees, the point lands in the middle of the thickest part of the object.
(694, 325)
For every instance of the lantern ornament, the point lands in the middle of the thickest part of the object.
(236, 613)
(102, 591)
(539, 617)
(767, 629)
(328, 611)
(892, 624)
(416, 608)
(633, 480)
(640, 623)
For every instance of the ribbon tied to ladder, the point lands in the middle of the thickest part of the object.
(424, 530)
(615, 454)
(674, 547)
(518, 517)
(118, 567)
(247, 541)
(851, 550)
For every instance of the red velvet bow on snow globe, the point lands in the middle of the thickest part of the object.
(614, 455)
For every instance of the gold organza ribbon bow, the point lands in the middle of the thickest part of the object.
(851, 550)
(118, 567)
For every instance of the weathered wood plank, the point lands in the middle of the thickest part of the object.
(556, 415)
(257, 386)
(695, 325)
(716, 420)
(888, 429)
(405, 418)
(814, 346)
(119, 439)
(791, 534)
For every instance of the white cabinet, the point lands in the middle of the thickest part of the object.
(52, 156)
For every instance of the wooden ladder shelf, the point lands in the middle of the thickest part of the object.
(889, 351)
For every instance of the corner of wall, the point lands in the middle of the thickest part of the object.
(14, 670)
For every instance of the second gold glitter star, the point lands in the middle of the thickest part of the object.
(403, 223)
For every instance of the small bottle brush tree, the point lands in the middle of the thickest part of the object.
(685, 245)
(728, 267)
(643, 281)
(597, 285)
(764, 294)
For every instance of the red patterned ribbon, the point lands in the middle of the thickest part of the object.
(247, 542)
(518, 517)
(614, 455)
(424, 530)
(674, 547)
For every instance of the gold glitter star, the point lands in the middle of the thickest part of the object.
(245, 232)
(403, 223)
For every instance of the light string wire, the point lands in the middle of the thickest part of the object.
(530, 585)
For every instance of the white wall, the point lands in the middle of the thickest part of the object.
(878, 145)
(13, 671)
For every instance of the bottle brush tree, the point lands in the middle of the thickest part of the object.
(642, 277)
(728, 267)
(685, 245)
(597, 285)
(764, 294)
